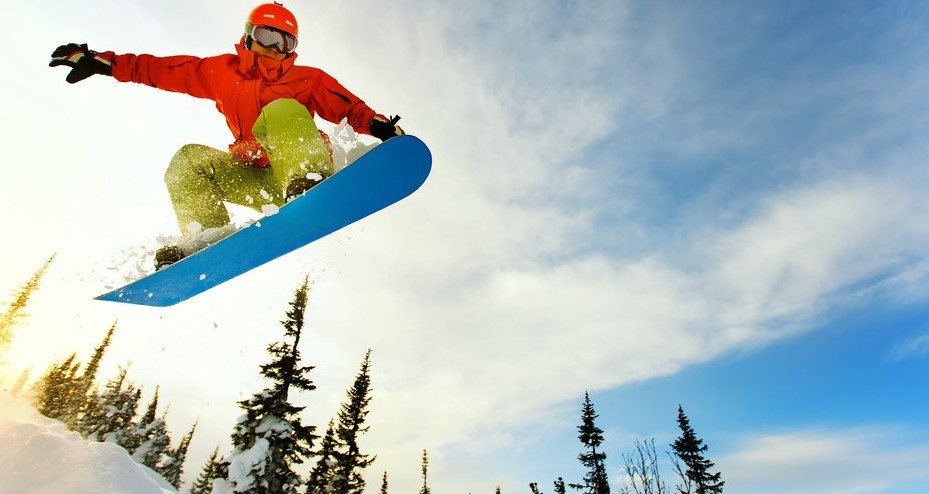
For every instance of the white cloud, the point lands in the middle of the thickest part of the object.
(813, 241)
(846, 461)
(914, 346)
(481, 295)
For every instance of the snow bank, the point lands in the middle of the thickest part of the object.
(40, 456)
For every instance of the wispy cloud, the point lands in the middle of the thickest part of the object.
(847, 461)
(528, 268)
(914, 346)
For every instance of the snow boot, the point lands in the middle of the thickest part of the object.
(200, 239)
(300, 185)
(167, 256)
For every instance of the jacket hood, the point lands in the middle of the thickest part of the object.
(254, 66)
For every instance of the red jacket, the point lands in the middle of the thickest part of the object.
(242, 84)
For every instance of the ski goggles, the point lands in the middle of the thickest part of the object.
(269, 37)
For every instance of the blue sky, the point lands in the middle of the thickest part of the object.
(715, 204)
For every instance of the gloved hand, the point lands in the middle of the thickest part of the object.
(384, 129)
(83, 62)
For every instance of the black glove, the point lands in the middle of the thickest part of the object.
(384, 129)
(83, 62)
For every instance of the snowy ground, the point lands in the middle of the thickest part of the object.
(40, 456)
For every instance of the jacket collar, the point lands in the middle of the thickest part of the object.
(253, 66)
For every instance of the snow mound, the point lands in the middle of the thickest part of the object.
(40, 456)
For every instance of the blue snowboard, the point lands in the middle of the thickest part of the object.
(383, 176)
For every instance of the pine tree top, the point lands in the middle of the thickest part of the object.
(690, 449)
(589, 434)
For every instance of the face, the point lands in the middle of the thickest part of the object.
(267, 52)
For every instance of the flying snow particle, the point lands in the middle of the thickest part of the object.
(194, 228)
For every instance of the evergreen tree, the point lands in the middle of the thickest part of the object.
(271, 423)
(591, 436)
(172, 463)
(123, 412)
(559, 486)
(92, 414)
(149, 440)
(84, 399)
(209, 473)
(323, 473)
(384, 484)
(156, 445)
(16, 310)
(54, 392)
(351, 463)
(62, 393)
(425, 464)
(90, 372)
(110, 417)
(697, 478)
(534, 488)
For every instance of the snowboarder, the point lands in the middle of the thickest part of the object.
(269, 104)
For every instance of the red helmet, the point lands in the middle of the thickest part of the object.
(272, 15)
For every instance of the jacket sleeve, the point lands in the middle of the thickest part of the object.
(333, 102)
(180, 74)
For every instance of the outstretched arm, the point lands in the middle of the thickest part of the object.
(182, 74)
(333, 102)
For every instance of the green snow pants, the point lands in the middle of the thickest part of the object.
(200, 178)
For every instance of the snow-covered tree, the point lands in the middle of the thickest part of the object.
(211, 471)
(351, 462)
(84, 397)
(323, 473)
(695, 476)
(591, 436)
(123, 412)
(171, 466)
(95, 415)
(65, 394)
(111, 413)
(270, 438)
(149, 441)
